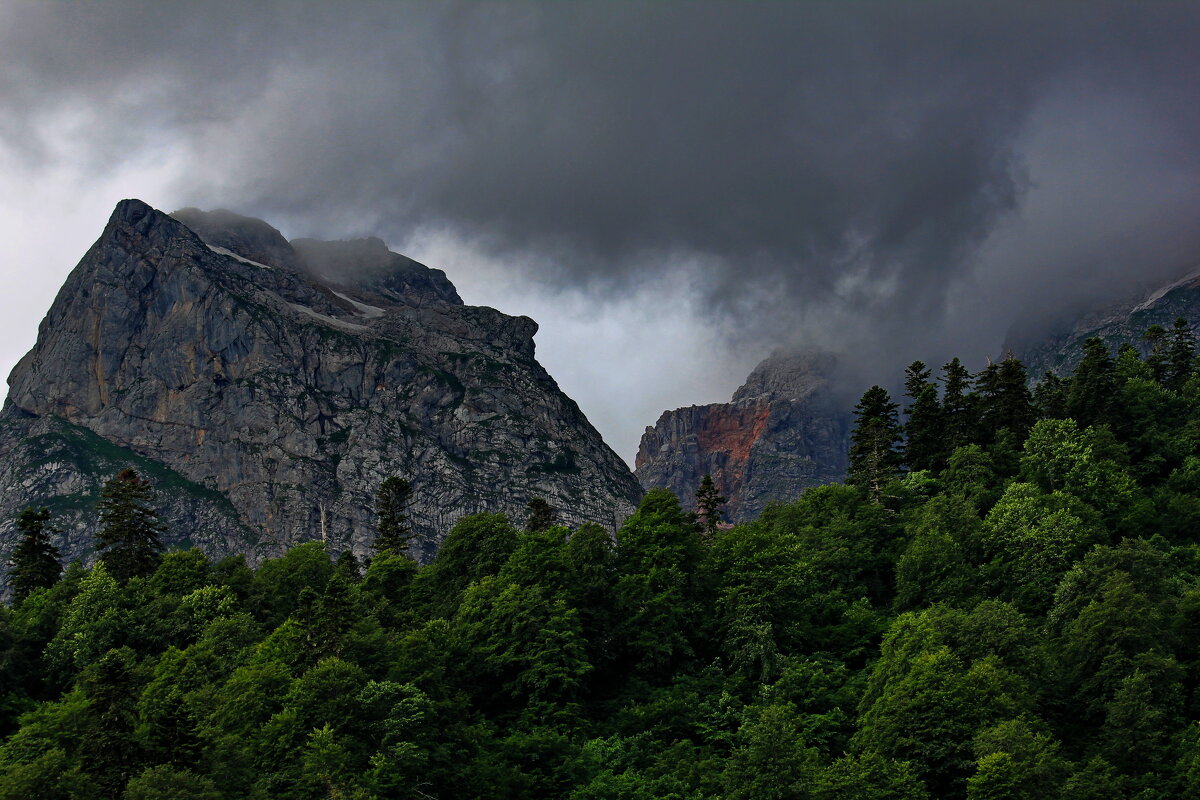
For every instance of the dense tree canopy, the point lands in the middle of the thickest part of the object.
(1016, 616)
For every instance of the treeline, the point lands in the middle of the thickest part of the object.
(1003, 601)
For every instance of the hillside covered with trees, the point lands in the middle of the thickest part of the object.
(1003, 601)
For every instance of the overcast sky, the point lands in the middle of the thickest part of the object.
(670, 190)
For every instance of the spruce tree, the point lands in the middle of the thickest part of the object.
(958, 407)
(923, 431)
(1050, 396)
(34, 562)
(392, 499)
(1156, 337)
(1090, 397)
(1181, 352)
(542, 515)
(874, 459)
(708, 506)
(1005, 400)
(128, 541)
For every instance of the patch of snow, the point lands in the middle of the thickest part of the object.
(363, 309)
(235, 256)
(337, 323)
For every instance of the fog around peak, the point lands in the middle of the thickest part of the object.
(673, 190)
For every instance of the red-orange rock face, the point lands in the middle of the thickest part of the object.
(780, 435)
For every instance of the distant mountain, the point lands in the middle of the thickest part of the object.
(1123, 322)
(267, 387)
(782, 433)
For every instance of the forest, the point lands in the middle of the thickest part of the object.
(1001, 601)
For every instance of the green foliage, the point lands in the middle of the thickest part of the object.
(874, 456)
(658, 550)
(166, 783)
(35, 562)
(923, 445)
(708, 506)
(541, 515)
(392, 499)
(128, 542)
(1090, 397)
(1017, 616)
(935, 566)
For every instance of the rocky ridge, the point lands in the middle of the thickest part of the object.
(268, 387)
(782, 432)
(1117, 324)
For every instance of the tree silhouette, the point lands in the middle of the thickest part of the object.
(128, 541)
(34, 562)
(708, 506)
(391, 505)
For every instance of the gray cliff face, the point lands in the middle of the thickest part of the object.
(1125, 322)
(268, 388)
(781, 434)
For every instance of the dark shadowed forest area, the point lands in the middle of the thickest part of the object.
(1002, 601)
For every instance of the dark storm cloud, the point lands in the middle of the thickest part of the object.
(817, 164)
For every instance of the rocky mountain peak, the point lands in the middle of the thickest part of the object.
(779, 435)
(788, 375)
(269, 387)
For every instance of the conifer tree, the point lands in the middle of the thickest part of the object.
(1005, 400)
(1181, 352)
(34, 562)
(109, 750)
(392, 499)
(923, 431)
(958, 407)
(874, 459)
(708, 506)
(1090, 397)
(1156, 337)
(128, 541)
(542, 515)
(1050, 396)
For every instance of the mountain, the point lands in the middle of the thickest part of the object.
(782, 432)
(267, 387)
(1123, 322)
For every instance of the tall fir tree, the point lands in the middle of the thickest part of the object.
(392, 499)
(923, 430)
(874, 457)
(1090, 397)
(128, 541)
(708, 506)
(1181, 354)
(109, 750)
(1050, 396)
(35, 562)
(959, 423)
(1005, 400)
(1156, 338)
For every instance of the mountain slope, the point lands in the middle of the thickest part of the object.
(1115, 325)
(780, 434)
(287, 381)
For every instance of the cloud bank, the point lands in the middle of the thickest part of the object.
(892, 181)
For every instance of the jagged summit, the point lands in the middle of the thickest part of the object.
(269, 387)
(780, 434)
(788, 375)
